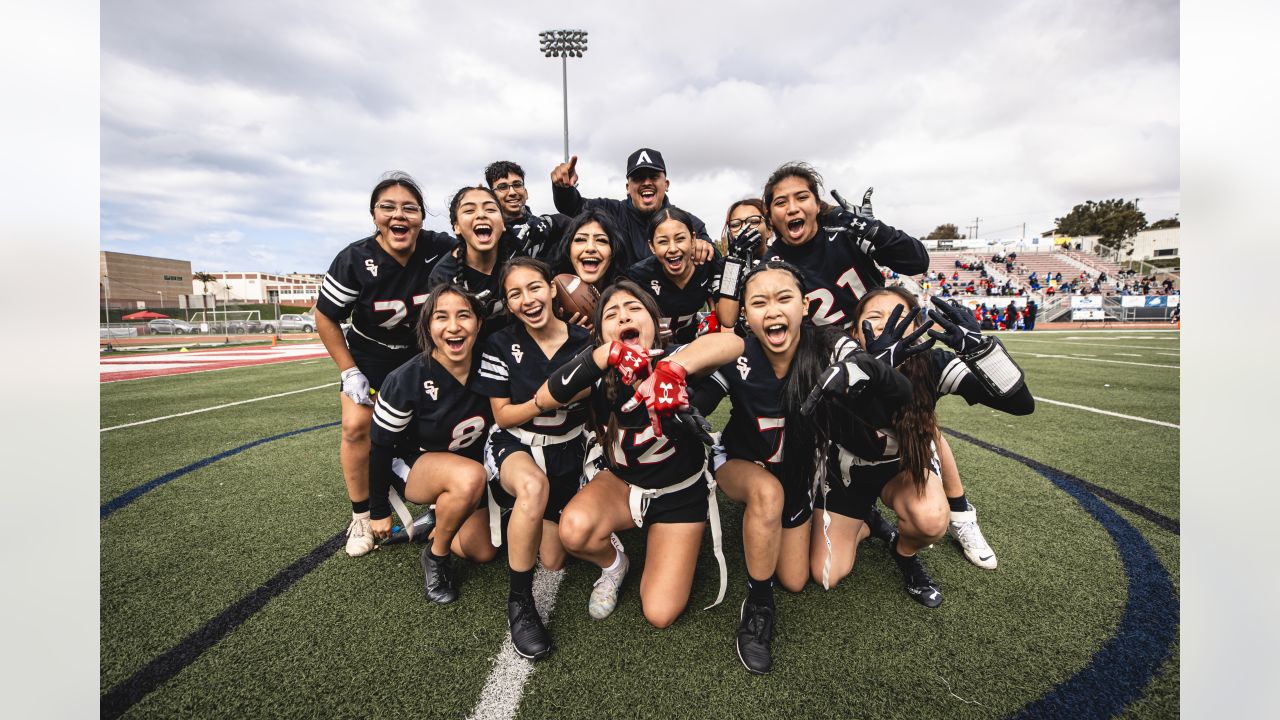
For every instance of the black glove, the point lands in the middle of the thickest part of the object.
(863, 211)
(861, 230)
(743, 247)
(894, 346)
(961, 331)
(847, 376)
(696, 423)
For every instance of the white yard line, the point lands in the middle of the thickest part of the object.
(1108, 412)
(1108, 345)
(1127, 355)
(1088, 359)
(500, 698)
(1170, 354)
(216, 407)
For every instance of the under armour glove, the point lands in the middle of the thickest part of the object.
(664, 393)
(709, 324)
(862, 211)
(694, 422)
(862, 230)
(744, 245)
(356, 386)
(848, 377)
(893, 345)
(631, 361)
(960, 329)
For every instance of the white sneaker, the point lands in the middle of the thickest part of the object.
(604, 594)
(964, 528)
(359, 536)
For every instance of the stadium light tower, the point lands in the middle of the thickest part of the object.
(564, 44)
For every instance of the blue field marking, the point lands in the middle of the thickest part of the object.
(132, 494)
(1127, 663)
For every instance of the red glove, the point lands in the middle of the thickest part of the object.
(710, 324)
(664, 393)
(631, 361)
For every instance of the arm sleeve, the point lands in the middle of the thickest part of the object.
(567, 200)
(339, 290)
(899, 251)
(887, 393)
(574, 376)
(973, 391)
(706, 394)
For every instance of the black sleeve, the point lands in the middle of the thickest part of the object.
(444, 271)
(567, 200)
(700, 230)
(975, 393)
(899, 251)
(559, 225)
(340, 289)
(381, 478)
(706, 393)
(574, 376)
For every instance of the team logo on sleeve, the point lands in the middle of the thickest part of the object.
(657, 289)
(743, 368)
(516, 352)
(429, 387)
(371, 266)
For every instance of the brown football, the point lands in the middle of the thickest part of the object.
(573, 295)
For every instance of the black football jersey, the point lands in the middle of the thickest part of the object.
(484, 287)
(512, 366)
(679, 305)
(837, 273)
(640, 456)
(381, 296)
(535, 235)
(425, 407)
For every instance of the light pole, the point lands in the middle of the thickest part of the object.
(564, 44)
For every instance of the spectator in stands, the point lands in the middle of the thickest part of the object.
(1013, 256)
(955, 275)
(957, 262)
(1146, 288)
(1032, 310)
(1058, 277)
(1168, 285)
(1008, 266)
(1049, 291)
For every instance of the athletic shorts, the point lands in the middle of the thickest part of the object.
(683, 506)
(853, 486)
(378, 365)
(564, 470)
(797, 502)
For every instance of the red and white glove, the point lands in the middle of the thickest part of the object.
(631, 361)
(710, 324)
(664, 393)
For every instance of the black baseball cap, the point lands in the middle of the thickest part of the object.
(645, 159)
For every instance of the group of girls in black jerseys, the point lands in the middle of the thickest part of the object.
(464, 390)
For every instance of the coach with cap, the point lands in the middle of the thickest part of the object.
(647, 185)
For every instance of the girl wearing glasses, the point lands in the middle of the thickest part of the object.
(746, 214)
(379, 283)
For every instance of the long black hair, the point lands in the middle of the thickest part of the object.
(612, 383)
(506, 245)
(423, 326)
(916, 424)
(619, 260)
(805, 438)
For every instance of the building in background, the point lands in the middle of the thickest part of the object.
(259, 287)
(140, 281)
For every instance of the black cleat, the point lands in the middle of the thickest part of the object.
(437, 579)
(880, 528)
(920, 586)
(529, 636)
(755, 635)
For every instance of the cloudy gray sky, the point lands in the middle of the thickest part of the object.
(246, 135)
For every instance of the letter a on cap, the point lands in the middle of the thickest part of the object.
(644, 158)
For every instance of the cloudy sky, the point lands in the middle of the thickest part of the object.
(246, 135)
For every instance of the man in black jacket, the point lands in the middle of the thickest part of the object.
(647, 186)
(530, 234)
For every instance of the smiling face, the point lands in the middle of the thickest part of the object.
(528, 296)
(794, 211)
(749, 216)
(479, 222)
(399, 220)
(672, 244)
(590, 252)
(454, 327)
(512, 194)
(774, 308)
(647, 189)
(625, 318)
(876, 310)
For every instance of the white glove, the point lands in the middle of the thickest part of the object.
(356, 386)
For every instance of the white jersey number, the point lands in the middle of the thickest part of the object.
(467, 432)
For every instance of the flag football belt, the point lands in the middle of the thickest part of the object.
(389, 346)
(639, 499)
(536, 442)
(992, 365)
(401, 468)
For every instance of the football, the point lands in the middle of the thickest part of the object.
(573, 295)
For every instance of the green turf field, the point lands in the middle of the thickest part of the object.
(225, 591)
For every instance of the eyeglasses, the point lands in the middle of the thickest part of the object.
(500, 189)
(387, 208)
(752, 220)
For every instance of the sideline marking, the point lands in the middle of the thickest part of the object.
(1108, 412)
(215, 407)
(500, 698)
(132, 494)
(1122, 670)
(1091, 359)
(1060, 343)
(128, 692)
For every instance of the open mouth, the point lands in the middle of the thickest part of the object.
(795, 228)
(484, 233)
(534, 314)
(648, 194)
(399, 232)
(629, 335)
(590, 264)
(455, 344)
(775, 333)
(674, 264)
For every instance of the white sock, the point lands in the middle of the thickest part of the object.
(617, 562)
(360, 516)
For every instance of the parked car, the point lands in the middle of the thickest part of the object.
(166, 326)
(292, 323)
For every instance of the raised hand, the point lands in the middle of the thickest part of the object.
(631, 361)
(565, 174)
(743, 246)
(863, 210)
(960, 329)
(855, 221)
(845, 377)
(664, 393)
(894, 345)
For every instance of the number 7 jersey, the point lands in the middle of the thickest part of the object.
(381, 296)
(423, 408)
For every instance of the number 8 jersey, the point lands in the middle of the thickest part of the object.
(423, 408)
(381, 296)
